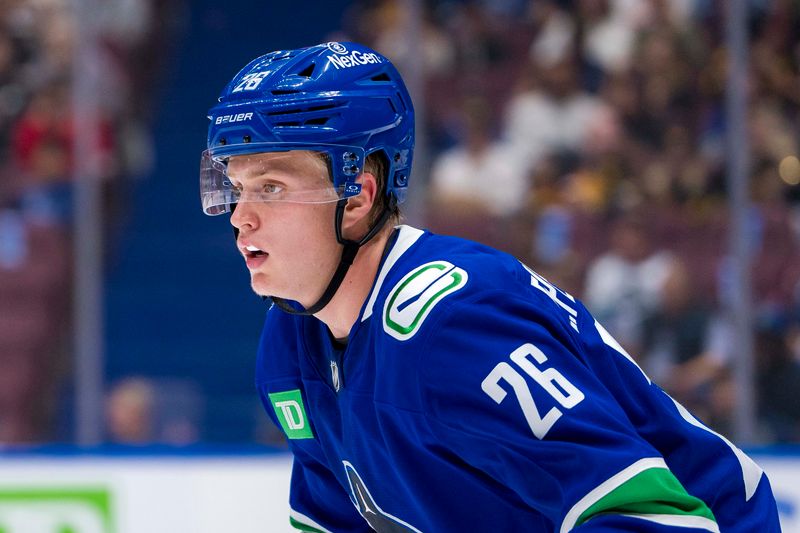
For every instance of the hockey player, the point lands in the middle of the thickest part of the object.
(428, 383)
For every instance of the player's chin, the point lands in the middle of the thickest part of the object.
(261, 292)
(263, 286)
(260, 285)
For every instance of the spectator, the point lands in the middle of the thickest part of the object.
(141, 410)
(677, 349)
(609, 32)
(130, 412)
(625, 284)
(555, 115)
(46, 197)
(778, 372)
(479, 176)
(49, 116)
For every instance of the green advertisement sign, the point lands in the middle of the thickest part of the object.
(55, 510)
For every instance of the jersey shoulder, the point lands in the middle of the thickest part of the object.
(424, 276)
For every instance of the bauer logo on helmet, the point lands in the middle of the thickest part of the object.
(223, 119)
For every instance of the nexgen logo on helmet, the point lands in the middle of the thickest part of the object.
(354, 58)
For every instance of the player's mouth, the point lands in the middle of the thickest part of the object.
(253, 256)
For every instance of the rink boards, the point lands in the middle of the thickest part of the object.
(156, 491)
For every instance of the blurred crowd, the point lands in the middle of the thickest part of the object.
(588, 138)
(37, 176)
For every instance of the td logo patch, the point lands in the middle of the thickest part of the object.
(291, 414)
(415, 296)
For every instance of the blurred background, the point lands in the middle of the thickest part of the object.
(640, 154)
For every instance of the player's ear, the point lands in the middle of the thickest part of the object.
(356, 219)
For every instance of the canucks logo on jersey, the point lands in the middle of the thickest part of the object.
(415, 296)
(375, 516)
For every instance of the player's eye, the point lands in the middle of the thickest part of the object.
(272, 188)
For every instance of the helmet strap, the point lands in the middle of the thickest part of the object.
(349, 251)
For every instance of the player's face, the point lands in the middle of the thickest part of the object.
(290, 248)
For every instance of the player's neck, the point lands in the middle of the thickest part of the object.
(342, 311)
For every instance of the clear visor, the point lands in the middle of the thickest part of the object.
(297, 176)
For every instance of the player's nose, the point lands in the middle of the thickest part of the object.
(243, 217)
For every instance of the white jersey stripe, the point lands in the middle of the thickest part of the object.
(697, 522)
(612, 342)
(408, 236)
(751, 472)
(606, 487)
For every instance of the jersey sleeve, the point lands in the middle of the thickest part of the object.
(504, 385)
(707, 463)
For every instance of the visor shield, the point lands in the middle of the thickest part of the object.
(298, 176)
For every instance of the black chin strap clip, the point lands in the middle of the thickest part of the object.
(349, 251)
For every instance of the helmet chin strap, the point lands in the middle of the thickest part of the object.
(348, 256)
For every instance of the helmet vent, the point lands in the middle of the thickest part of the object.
(323, 107)
(318, 121)
(279, 92)
(381, 77)
(308, 71)
(302, 109)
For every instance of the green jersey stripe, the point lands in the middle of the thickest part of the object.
(301, 522)
(653, 492)
(646, 487)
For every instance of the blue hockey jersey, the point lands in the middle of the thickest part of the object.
(475, 396)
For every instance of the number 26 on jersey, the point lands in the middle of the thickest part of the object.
(531, 361)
